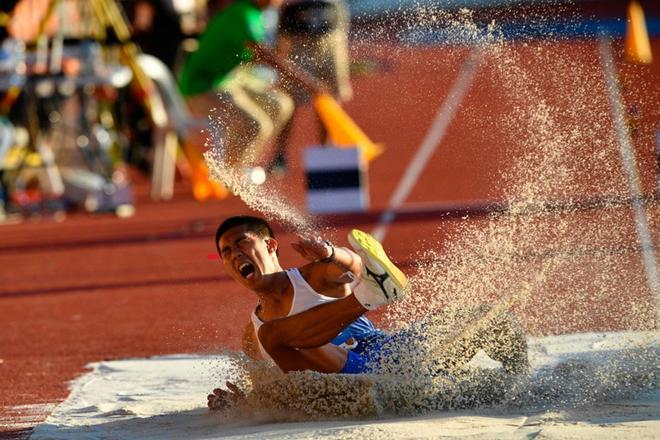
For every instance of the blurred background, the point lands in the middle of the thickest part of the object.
(477, 139)
(95, 114)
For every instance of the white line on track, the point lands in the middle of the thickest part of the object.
(632, 174)
(433, 137)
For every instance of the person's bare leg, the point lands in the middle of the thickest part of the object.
(312, 328)
(261, 121)
(302, 341)
(501, 337)
(325, 359)
(317, 326)
(278, 162)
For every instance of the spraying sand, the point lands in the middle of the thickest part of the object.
(568, 395)
(544, 252)
(540, 250)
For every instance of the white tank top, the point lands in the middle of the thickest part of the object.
(304, 298)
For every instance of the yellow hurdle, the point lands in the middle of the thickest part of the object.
(637, 44)
(342, 130)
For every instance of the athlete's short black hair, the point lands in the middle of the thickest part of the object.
(254, 224)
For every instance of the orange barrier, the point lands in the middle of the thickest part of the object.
(342, 130)
(203, 187)
(637, 44)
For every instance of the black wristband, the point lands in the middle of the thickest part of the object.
(331, 257)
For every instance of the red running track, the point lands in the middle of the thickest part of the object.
(97, 287)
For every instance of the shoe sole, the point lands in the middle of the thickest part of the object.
(374, 250)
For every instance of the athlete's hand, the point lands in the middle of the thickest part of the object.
(312, 249)
(221, 399)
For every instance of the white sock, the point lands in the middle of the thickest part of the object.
(368, 296)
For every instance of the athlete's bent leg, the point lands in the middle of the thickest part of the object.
(302, 341)
(312, 328)
(325, 359)
(382, 282)
(502, 338)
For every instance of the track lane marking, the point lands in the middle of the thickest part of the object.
(632, 174)
(432, 139)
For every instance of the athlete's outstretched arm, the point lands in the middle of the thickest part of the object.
(336, 260)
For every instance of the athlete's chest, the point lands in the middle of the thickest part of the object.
(277, 307)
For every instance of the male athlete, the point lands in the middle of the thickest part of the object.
(310, 317)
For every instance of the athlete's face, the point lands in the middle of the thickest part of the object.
(247, 256)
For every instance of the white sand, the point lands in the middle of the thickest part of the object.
(165, 397)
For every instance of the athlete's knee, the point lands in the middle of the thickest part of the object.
(265, 127)
(286, 107)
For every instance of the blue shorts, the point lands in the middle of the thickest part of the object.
(372, 348)
(355, 364)
(364, 358)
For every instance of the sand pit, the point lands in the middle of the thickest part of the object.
(538, 116)
(164, 397)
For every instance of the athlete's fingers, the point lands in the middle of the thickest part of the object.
(221, 399)
(298, 248)
(218, 400)
(219, 392)
(212, 401)
(303, 251)
(303, 244)
(235, 389)
(310, 241)
(311, 245)
(307, 237)
(217, 404)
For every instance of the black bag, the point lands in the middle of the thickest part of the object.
(312, 17)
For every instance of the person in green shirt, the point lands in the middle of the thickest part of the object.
(313, 34)
(223, 74)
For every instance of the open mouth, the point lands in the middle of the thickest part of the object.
(246, 270)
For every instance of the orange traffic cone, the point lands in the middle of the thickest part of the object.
(637, 44)
(203, 187)
(342, 130)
